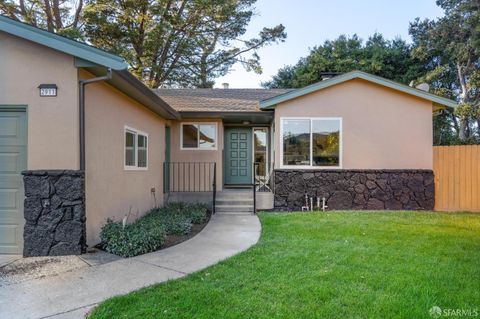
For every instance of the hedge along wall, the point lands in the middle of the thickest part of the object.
(54, 213)
(356, 189)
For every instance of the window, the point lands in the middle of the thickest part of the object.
(314, 142)
(136, 149)
(260, 154)
(199, 136)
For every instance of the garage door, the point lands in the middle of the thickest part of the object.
(13, 159)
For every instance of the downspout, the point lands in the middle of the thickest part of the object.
(82, 84)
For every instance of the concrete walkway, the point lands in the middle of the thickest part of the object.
(73, 294)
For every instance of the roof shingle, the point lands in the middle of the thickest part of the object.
(217, 100)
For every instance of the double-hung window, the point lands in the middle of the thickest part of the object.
(136, 149)
(311, 142)
(201, 136)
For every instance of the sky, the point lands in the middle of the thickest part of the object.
(310, 22)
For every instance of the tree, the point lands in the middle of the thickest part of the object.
(59, 16)
(389, 59)
(177, 43)
(449, 48)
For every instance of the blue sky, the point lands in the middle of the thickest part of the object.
(311, 22)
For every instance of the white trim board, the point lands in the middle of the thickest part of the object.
(137, 132)
(198, 148)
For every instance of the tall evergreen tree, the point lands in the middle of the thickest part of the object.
(389, 59)
(449, 49)
(178, 43)
(59, 16)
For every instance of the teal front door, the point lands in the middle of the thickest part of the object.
(13, 160)
(238, 156)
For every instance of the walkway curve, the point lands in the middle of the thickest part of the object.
(73, 294)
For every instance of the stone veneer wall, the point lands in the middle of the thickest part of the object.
(54, 213)
(355, 189)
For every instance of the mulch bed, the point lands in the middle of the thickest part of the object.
(172, 240)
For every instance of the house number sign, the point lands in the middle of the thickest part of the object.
(48, 89)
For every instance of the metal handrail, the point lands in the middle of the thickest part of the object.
(188, 176)
(255, 165)
(264, 180)
(214, 186)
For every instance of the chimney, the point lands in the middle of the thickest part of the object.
(423, 86)
(225, 85)
(328, 75)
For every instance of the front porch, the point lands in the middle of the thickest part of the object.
(217, 158)
(193, 182)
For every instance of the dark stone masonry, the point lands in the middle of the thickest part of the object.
(54, 213)
(355, 189)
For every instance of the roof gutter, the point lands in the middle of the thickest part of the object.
(82, 84)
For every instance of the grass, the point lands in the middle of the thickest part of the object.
(333, 265)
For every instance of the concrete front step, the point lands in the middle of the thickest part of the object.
(234, 197)
(232, 194)
(233, 208)
(235, 202)
(235, 213)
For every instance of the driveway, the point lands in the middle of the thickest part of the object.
(73, 294)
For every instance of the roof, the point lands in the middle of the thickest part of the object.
(94, 61)
(62, 44)
(217, 100)
(271, 102)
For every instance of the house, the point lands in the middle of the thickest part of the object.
(83, 140)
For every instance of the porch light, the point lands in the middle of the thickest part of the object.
(48, 90)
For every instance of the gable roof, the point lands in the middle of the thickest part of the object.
(273, 101)
(77, 49)
(217, 100)
(94, 61)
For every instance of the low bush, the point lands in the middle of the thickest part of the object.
(176, 224)
(148, 233)
(135, 239)
(198, 213)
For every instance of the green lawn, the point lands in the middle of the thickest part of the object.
(329, 265)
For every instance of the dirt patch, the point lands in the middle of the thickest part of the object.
(23, 268)
(38, 267)
(172, 240)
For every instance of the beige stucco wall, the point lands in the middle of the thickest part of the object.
(52, 121)
(382, 128)
(112, 191)
(179, 155)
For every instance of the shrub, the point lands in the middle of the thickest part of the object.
(180, 216)
(176, 224)
(198, 213)
(135, 239)
(148, 233)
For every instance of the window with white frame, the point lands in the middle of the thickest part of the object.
(136, 149)
(311, 142)
(202, 136)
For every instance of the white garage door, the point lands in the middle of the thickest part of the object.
(13, 159)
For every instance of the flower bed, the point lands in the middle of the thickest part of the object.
(158, 228)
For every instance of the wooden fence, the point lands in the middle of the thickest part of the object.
(457, 177)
